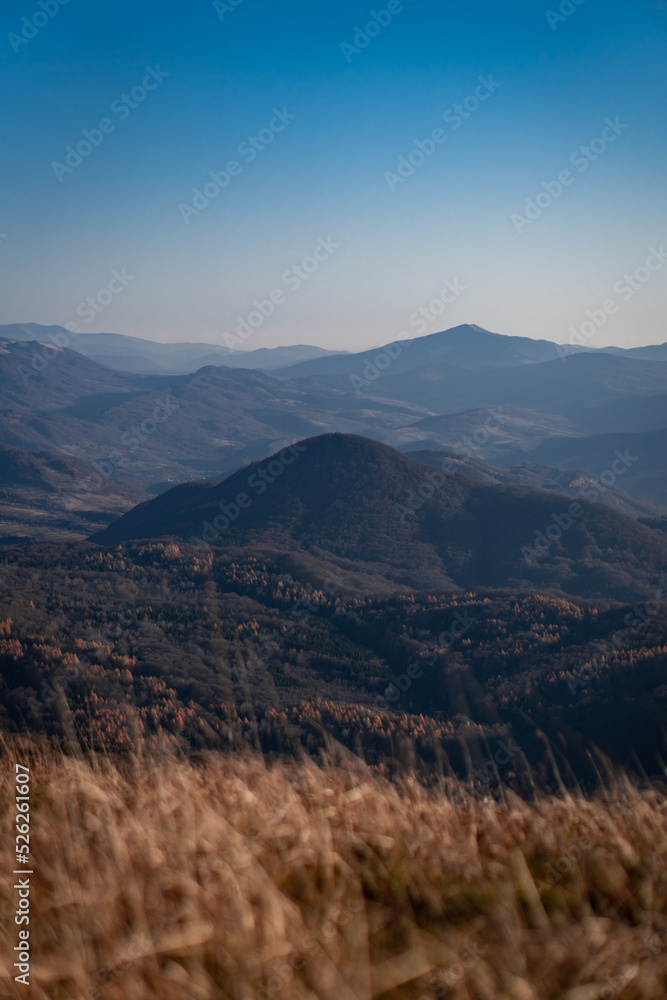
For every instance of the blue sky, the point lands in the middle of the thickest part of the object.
(220, 74)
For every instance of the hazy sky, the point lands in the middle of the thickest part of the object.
(332, 111)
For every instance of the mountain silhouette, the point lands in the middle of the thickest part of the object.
(366, 506)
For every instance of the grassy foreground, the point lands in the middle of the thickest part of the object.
(223, 877)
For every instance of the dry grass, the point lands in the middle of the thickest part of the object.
(222, 877)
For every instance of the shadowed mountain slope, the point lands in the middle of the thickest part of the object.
(535, 476)
(644, 471)
(598, 391)
(364, 504)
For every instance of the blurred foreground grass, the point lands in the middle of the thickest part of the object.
(221, 876)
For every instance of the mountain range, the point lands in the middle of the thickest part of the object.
(133, 435)
(467, 345)
(148, 357)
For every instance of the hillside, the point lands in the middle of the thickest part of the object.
(485, 433)
(36, 376)
(353, 499)
(208, 423)
(652, 352)
(285, 652)
(43, 495)
(600, 392)
(645, 476)
(41, 470)
(536, 476)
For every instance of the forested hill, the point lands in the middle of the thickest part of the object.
(368, 506)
